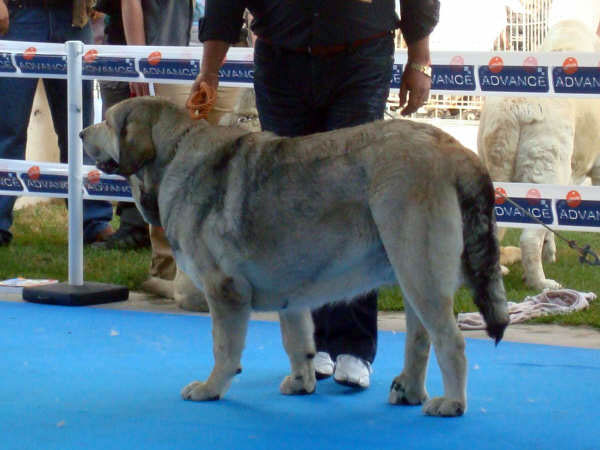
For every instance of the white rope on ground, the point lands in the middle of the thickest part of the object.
(559, 301)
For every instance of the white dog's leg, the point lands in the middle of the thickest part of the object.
(408, 388)
(549, 248)
(532, 241)
(297, 331)
(229, 303)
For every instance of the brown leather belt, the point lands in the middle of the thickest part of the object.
(40, 3)
(330, 50)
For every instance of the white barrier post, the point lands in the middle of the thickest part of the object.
(75, 292)
(75, 110)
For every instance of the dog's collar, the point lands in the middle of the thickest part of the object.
(183, 135)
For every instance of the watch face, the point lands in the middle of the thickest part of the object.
(421, 68)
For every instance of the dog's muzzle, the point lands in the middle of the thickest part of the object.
(110, 166)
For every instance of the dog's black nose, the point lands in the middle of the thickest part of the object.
(81, 134)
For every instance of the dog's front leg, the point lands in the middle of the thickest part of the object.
(408, 388)
(229, 304)
(297, 331)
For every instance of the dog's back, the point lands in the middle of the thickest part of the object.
(519, 138)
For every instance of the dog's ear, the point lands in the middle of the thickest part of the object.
(133, 120)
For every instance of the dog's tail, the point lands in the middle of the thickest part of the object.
(481, 252)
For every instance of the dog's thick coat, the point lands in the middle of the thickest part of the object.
(269, 223)
(543, 140)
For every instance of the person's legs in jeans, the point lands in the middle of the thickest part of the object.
(16, 95)
(96, 214)
(298, 95)
(357, 88)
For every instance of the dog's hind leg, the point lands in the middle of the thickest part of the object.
(408, 388)
(297, 331)
(229, 302)
(424, 245)
(434, 309)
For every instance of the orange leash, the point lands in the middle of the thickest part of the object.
(201, 102)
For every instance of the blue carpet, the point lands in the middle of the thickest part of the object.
(91, 378)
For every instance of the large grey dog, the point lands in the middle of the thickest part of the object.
(261, 222)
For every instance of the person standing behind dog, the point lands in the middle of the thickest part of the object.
(159, 22)
(133, 229)
(320, 66)
(46, 21)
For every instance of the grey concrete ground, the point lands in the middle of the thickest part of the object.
(584, 337)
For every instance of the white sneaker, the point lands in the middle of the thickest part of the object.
(352, 371)
(323, 365)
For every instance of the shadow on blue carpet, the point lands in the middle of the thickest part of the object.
(89, 378)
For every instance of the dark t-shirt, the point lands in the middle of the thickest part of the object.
(303, 23)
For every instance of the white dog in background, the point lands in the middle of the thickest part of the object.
(543, 140)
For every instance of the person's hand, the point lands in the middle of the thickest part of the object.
(139, 89)
(203, 95)
(4, 18)
(414, 87)
(211, 79)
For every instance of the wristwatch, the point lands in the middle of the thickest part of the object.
(420, 68)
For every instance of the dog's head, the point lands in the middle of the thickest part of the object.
(123, 143)
(135, 141)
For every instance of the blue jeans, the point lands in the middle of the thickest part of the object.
(16, 96)
(299, 94)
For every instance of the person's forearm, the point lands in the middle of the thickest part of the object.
(418, 51)
(213, 54)
(4, 18)
(133, 22)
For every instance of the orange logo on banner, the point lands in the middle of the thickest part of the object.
(29, 53)
(500, 196)
(530, 63)
(573, 199)
(496, 64)
(154, 58)
(533, 196)
(457, 62)
(94, 176)
(570, 65)
(90, 56)
(33, 172)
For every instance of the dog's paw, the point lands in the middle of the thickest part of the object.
(401, 393)
(199, 391)
(298, 385)
(444, 407)
(543, 284)
(504, 270)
